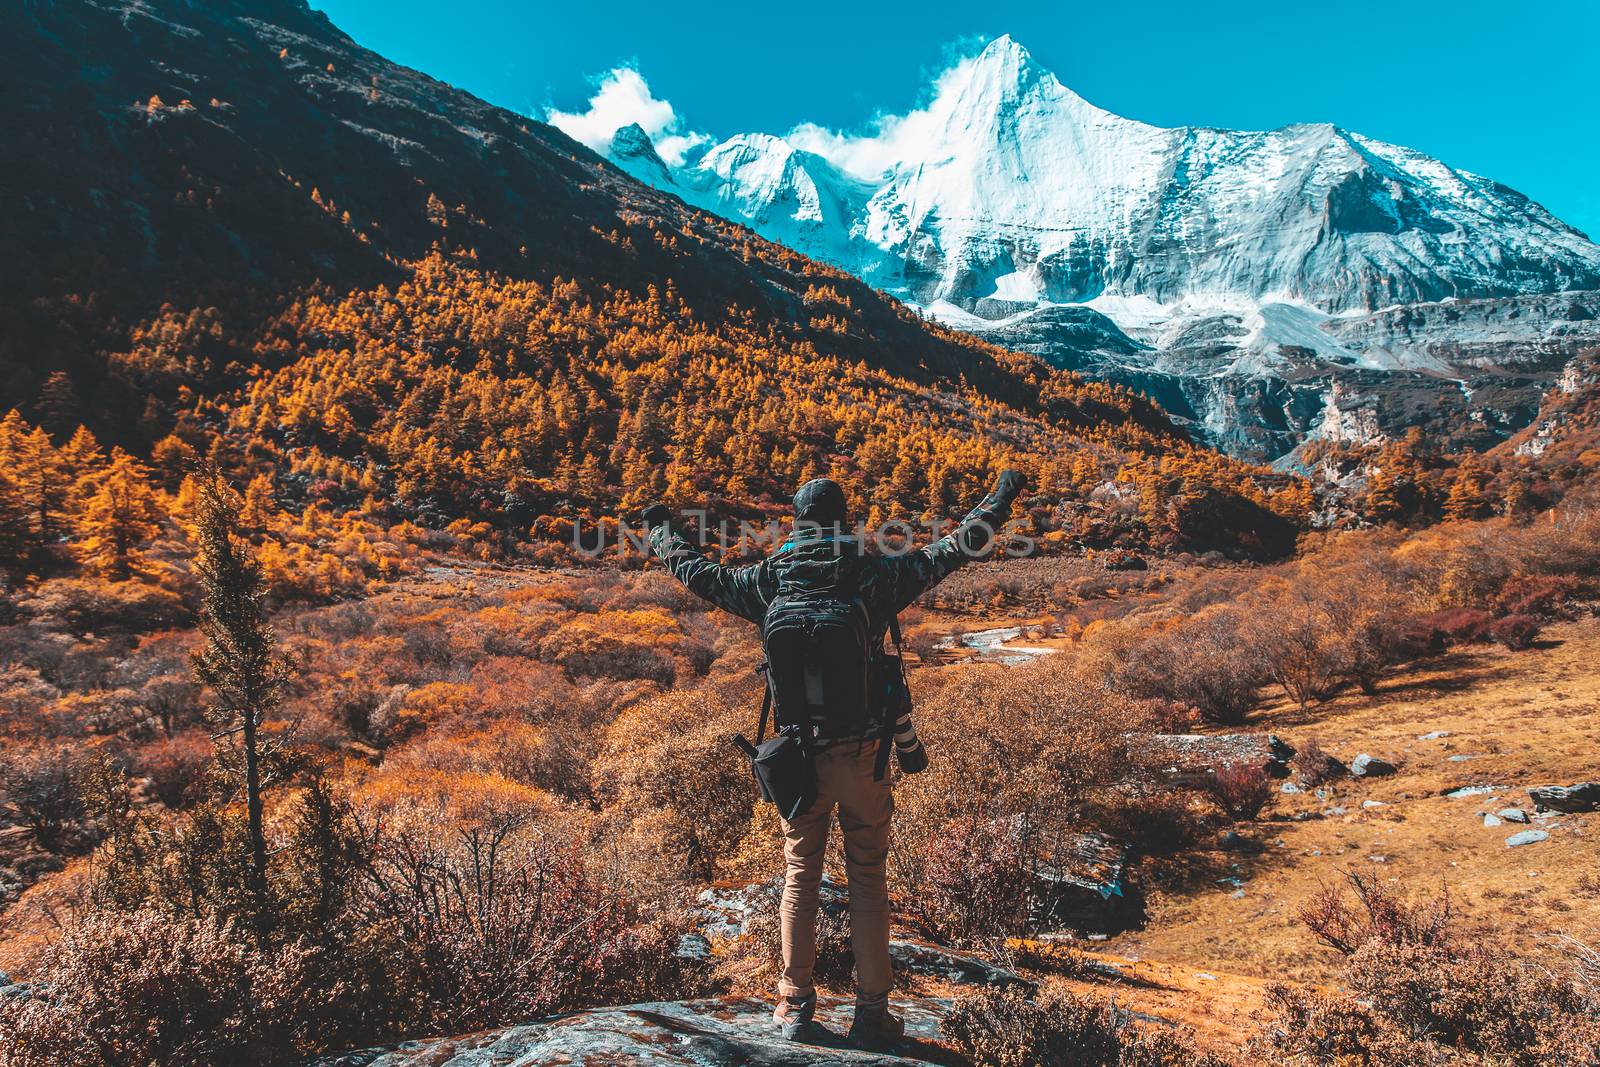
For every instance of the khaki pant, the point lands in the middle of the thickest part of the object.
(844, 780)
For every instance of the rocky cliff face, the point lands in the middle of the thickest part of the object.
(1251, 272)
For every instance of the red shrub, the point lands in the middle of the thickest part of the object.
(1241, 789)
(977, 880)
(1545, 596)
(177, 769)
(1516, 632)
(1460, 626)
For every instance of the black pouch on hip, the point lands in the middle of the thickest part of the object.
(784, 766)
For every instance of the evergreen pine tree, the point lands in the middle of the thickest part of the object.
(240, 664)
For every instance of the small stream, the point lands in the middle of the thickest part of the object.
(995, 646)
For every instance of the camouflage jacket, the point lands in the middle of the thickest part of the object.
(887, 583)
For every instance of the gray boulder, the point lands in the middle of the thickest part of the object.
(1513, 814)
(1585, 796)
(717, 1032)
(1526, 837)
(958, 968)
(1365, 766)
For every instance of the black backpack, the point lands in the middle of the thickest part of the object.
(818, 639)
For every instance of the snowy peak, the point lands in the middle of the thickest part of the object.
(634, 152)
(1008, 189)
(1003, 81)
(999, 78)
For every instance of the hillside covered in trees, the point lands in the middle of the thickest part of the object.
(240, 235)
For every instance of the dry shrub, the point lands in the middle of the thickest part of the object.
(552, 758)
(1543, 595)
(680, 794)
(978, 880)
(150, 988)
(1334, 1029)
(1005, 1029)
(637, 643)
(1017, 755)
(1420, 992)
(1206, 660)
(1240, 789)
(1460, 626)
(1313, 764)
(178, 770)
(498, 922)
(1516, 632)
(1383, 915)
(1330, 622)
(44, 784)
(89, 605)
(1154, 822)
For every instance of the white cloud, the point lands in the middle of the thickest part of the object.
(622, 96)
(889, 139)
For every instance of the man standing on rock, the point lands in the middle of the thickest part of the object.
(823, 587)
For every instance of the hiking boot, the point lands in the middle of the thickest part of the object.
(805, 1032)
(876, 1029)
(794, 1018)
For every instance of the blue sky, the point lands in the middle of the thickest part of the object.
(1505, 89)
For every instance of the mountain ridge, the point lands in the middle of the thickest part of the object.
(1248, 262)
(1102, 200)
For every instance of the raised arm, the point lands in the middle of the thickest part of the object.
(904, 578)
(733, 589)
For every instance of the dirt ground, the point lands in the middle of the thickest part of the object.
(1225, 925)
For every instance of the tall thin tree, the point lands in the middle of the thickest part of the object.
(239, 662)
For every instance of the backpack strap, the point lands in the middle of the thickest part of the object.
(880, 767)
(766, 705)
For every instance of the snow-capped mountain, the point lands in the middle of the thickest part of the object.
(1242, 252)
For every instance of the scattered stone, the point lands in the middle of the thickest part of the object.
(1513, 814)
(1379, 859)
(1288, 787)
(1462, 758)
(1433, 735)
(1365, 766)
(1585, 796)
(1237, 842)
(1370, 804)
(1472, 791)
(1237, 894)
(693, 946)
(1526, 837)
(1491, 820)
(1204, 977)
(1334, 813)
